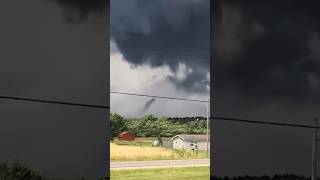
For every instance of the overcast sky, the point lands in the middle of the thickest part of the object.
(159, 47)
(266, 67)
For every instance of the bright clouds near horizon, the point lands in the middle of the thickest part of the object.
(144, 79)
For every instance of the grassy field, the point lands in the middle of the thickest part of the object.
(140, 153)
(189, 173)
(146, 142)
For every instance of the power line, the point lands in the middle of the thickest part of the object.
(265, 122)
(54, 102)
(252, 121)
(154, 96)
(222, 118)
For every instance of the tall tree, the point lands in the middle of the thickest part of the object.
(117, 124)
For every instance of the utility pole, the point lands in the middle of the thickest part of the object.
(208, 118)
(315, 152)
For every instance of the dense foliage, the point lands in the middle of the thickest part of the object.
(151, 126)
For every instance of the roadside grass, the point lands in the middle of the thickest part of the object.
(145, 153)
(188, 173)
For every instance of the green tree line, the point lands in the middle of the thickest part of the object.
(151, 126)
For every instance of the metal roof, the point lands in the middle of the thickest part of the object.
(123, 133)
(199, 137)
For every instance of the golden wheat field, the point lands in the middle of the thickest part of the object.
(140, 153)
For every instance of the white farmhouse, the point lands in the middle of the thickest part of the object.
(190, 141)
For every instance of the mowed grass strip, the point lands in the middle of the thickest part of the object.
(188, 173)
(143, 153)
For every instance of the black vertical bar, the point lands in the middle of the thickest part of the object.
(108, 27)
(215, 16)
(211, 84)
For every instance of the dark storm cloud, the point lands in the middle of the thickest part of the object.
(164, 32)
(266, 68)
(78, 10)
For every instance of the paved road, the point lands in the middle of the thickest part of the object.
(158, 164)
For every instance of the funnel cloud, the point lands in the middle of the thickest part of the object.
(148, 105)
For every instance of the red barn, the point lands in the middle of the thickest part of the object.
(125, 136)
